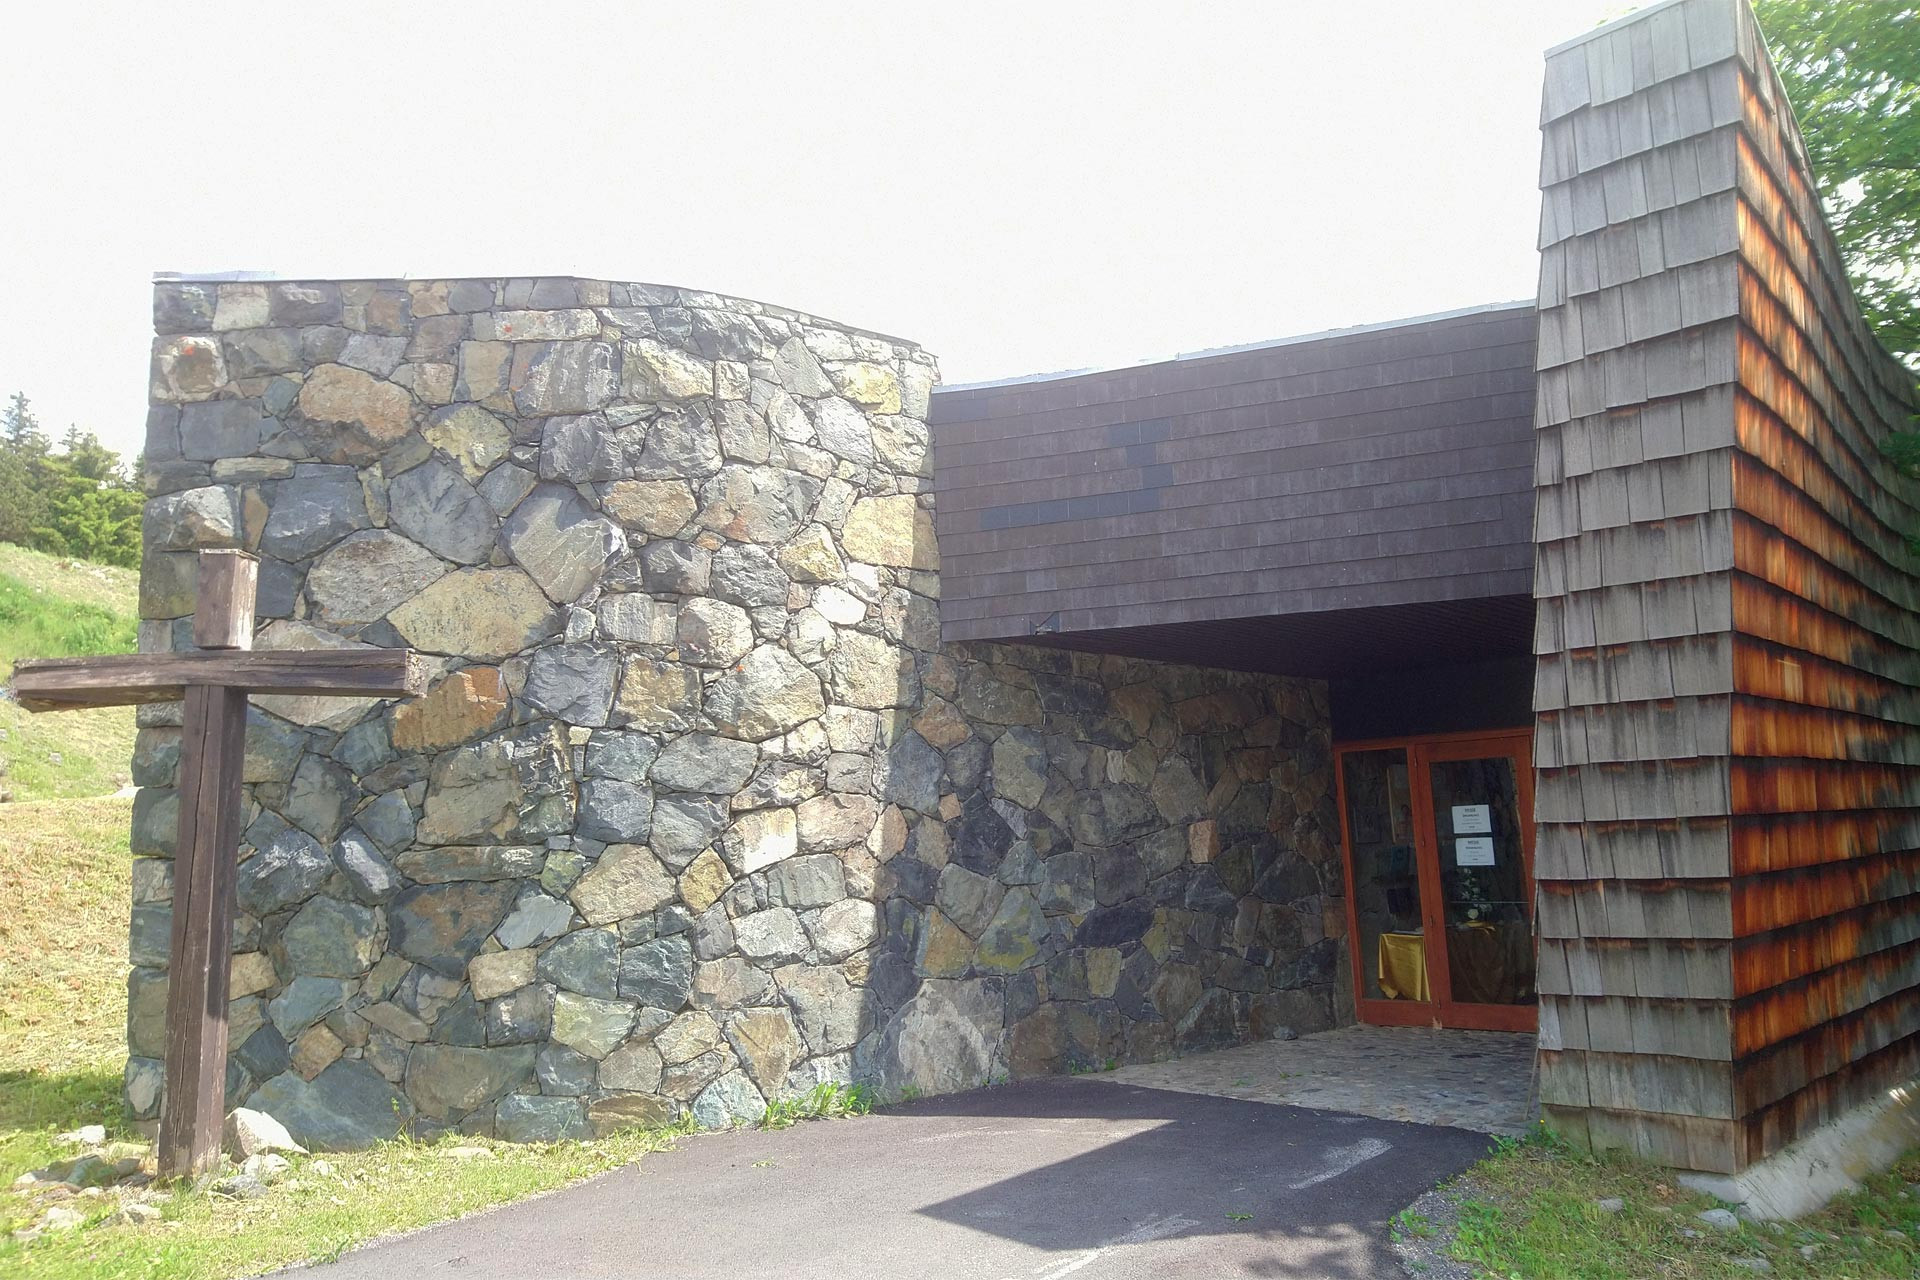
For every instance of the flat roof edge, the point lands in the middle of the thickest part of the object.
(1484, 308)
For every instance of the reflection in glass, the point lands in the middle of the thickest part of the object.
(1483, 885)
(1386, 876)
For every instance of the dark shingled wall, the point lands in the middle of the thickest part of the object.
(1365, 469)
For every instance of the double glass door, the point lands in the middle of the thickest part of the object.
(1438, 835)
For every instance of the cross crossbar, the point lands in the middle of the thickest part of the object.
(213, 684)
(62, 684)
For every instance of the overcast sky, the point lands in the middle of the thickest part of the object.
(1021, 188)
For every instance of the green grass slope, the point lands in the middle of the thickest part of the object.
(55, 607)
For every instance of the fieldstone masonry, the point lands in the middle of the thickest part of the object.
(697, 811)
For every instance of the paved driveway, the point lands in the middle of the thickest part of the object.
(1033, 1181)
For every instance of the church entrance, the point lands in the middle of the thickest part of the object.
(1437, 833)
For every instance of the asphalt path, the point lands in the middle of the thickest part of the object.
(1039, 1180)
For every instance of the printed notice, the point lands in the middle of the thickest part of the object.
(1473, 851)
(1472, 819)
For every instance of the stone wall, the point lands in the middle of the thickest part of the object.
(695, 812)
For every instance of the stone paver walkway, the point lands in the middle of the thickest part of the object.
(1480, 1080)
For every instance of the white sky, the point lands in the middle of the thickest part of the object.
(1019, 187)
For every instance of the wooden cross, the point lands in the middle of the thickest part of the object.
(215, 683)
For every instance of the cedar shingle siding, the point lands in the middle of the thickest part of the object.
(1729, 941)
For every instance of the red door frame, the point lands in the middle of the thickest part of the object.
(1423, 750)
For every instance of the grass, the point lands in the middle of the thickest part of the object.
(52, 607)
(1530, 1211)
(826, 1101)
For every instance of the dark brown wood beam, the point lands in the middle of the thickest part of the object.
(58, 684)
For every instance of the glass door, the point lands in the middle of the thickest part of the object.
(1439, 848)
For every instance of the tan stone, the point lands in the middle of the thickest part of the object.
(460, 708)
(627, 1111)
(471, 436)
(479, 613)
(810, 557)
(433, 382)
(942, 724)
(873, 386)
(658, 696)
(704, 880)
(309, 709)
(757, 840)
(656, 371)
(627, 881)
(187, 367)
(895, 531)
(241, 306)
(484, 369)
(660, 508)
(315, 1051)
(687, 1037)
(252, 972)
(945, 948)
(396, 1022)
(767, 1045)
(428, 297)
(338, 394)
(499, 972)
(1203, 841)
(535, 326)
(889, 834)
(1103, 971)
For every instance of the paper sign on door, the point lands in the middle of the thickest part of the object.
(1473, 851)
(1472, 819)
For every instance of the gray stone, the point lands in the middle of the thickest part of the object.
(812, 881)
(300, 303)
(273, 748)
(214, 429)
(590, 1026)
(798, 371)
(562, 543)
(149, 934)
(683, 825)
(319, 798)
(345, 1108)
(828, 1010)
(913, 772)
(760, 504)
(657, 974)
(505, 485)
(675, 568)
(524, 1017)
(729, 1101)
(448, 1081)
(287, 872)
(1719, 1219)
(768, 693)
(1020, 767)
(526, 1117)
(943, 1039)
(703, 763)
(625, 756)
(208, 516)
(305, 1001)
(712, 633)
(773, 937)
(586, 961)
(614, 811)
(842, 429)
(535, 918)
(634, 1067)
(573, 682)
(332, 938)
(365, 747)
(680, 445)
(580, 450)
(443, 864)
(314, 510)
(636, 619)
(565, 1073)
(844, 928)
(442, 926)
(968, 898)
(747, 575)
(433, 504)
(511, 788)
(369, 876)
(389, 820)
(562, 377)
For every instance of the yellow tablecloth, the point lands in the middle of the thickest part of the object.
(1403, 967)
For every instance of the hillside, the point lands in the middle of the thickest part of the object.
(52, 606)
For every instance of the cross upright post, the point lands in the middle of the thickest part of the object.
(214, 683)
